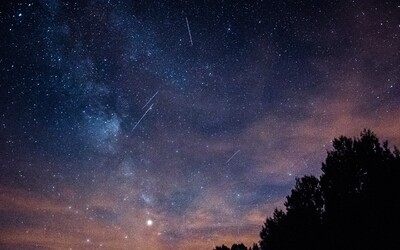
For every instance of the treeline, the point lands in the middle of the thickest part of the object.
(354, 204)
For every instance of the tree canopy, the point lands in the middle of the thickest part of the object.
(354, 204)
(240, 246)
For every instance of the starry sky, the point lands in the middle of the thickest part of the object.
(179, 124)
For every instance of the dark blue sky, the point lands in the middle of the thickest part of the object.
(115, 113)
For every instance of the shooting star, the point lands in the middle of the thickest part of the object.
(150, 100)
(190, 33)
(232, 156)
(137, 123)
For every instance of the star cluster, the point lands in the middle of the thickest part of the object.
(179, 124)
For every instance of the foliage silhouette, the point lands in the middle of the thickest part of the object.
(255, 247)
(300, 226)
(360, 194)
(223, 247)
(238, 247)
(354, 204)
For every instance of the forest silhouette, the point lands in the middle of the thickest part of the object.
(354, 204)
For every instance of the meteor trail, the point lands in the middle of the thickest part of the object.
(232, 156)
(190, 33)
(150, 100)
(151, 106)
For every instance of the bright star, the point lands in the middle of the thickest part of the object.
(149, 223)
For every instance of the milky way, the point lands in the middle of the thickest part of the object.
(179, 124)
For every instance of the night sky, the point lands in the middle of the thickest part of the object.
(179, 124)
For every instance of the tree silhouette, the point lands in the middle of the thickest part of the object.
(223, 247)
(238, 247)
(304, 211)
(255, 247)
(360, 193)
(355, 203)
(300, 226)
